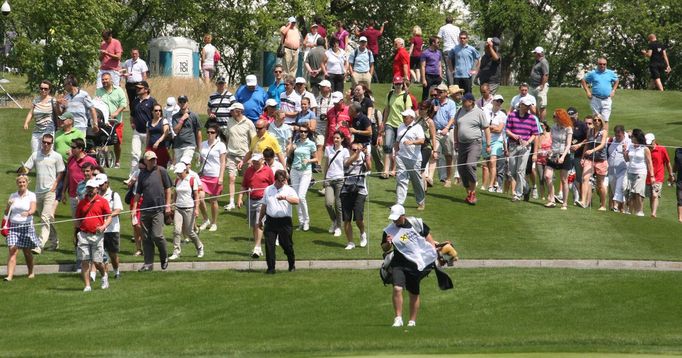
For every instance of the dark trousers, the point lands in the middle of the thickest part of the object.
(467, 160)
(152, 234)
(431, 80)
(131, 91)
(337, 82)
(278, 228)
(464, 83)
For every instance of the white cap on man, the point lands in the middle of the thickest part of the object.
(101, 178)
(300, 80)
(93, 183)
(251, 80)
(292, 19)
(538, 50)
(337, 97)
(409, 113)
(649, 138)
(236, 105)
(325, 83)
(397, 211)
(527, 101)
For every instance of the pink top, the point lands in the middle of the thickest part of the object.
(417, 42)
(107, 62)
(342, 36)
(545, 149)
(75, 172)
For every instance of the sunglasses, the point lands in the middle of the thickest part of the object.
(588, 123)
(44, 88)
(601, 64)
(157, 110)
(211, 132)
(303, 132)
(278, 71)
(74, 147)
(47, 143)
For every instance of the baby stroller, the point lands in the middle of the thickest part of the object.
(98, 143)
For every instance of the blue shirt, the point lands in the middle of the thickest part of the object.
(275, 90)
(304, 118)
(463, 59)
(446, 111)
(253, 101)
(362, 62)
(602, 82)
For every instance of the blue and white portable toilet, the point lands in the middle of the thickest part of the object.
(174, 56)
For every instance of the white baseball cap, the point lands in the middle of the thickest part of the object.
(170, 103)
(397, 211)
(93, 183)
(325, 83)
(527, 101)
(300, 80)
(337, 97)
(251, 80)
(101, 178)
(649, 138)
(362, 39)
(292, 19)
(180, 168)
(408, 113)
(498, 97)
(270, 103)
(236, 105)
(256, 156)
(538, 50)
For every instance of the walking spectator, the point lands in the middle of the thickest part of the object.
(314, 65)
(310, 41)
(617, 168)
(490, 70)
(262, 141)
(431, 70)
(539, 77)
(110, 52)
(20, 209)
(320, 28)
(269, 111)
(269, 159)
(471, 126)
(372, 34)
(449, 34)
(428, 149)
(154, 186)
(408, 159)
(211, 172)
(409, 265)
(486, 99)
(157, 136)
(187, 131)
(444, 119)
(638, 156)
(291, 39)
(594, 162)
(186, 201)
(463, 62)
(361, 128)
(341, 34)
(218, 105)
(49, 174)
(135, 70)
(257, 177)
(333, 181)
(93, 215)
(253, 97)
(44, 112)
(544, 149)
(498, 120)
(115, 99)
(361, 64)
(658, 61)
(301, 92)
(79, 103)
(208, 65)
(678, 176)
(303, 151)
(604, 83)
(140, 115)
(659, 162)
(398, 100)
(74, 171)
(240, 131)
(521, 132)
(578, 141)
(559, 157)
(338, 118)
(275, 220)
(282, 132)
(336, 65)
(401, 61)
(354, 193)
(64, 137)
(112, 233)
(290, 101)
(277, 87)
(416, 44)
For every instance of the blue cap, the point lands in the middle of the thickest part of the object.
(468, 97)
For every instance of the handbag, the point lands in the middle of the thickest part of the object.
(169, 216)
(280, 48)
(5, 221)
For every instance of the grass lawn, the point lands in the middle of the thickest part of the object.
(495, 228)
(342, 312)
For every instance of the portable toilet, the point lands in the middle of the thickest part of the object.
(174, 56)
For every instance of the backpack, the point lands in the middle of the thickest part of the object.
(216, 57)
(355, 56)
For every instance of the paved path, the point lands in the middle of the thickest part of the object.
(374, 264)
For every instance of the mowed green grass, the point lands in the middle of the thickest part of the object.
(342, 312)
(495, 228)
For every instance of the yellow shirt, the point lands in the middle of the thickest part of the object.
(258, 145)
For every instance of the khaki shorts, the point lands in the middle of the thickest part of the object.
(636, 184)
(654, 190)
(90, 247)
(446, 143)
(540, 95)
(232, 161)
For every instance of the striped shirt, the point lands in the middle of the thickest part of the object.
(524, 127)
(218, 104)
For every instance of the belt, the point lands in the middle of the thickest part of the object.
(362, 73)
(600, 97)
(293, 49)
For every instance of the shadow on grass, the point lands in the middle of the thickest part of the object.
(452, 198)
(237, 253)
(328, 243)
(240, 238)
(234, 213)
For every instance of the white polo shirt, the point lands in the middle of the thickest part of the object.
(114, 203)
(135, 69)
(414, 132)
(277, 208)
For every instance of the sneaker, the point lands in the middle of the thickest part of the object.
(105, 282)
(164, 265)
(411, 323)
(558, 199)
(36, 251)
(398, 322)
(213, 227)
(564, 207)
(350, 246)
(257, 252)
(321, 192)
(576, 203)
(87, 289)
(93, 276)
(421, 207)
(276, 242)
(580, 204)
(337, 232)
(117, 275)
(447, 184)
(535, 193)
(174, 256)
(306, 225)
(363, 239)
(526, 195)
(472, 199)
(483, 188)
(491, 189)
(205, 225)
(332, 228)
(499, 190)
(229, 206)
(640, 213)
(200, 252)
(146, 268)
(186, 241)
(516, 198)
(117, 166)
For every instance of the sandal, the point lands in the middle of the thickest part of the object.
(551, 204)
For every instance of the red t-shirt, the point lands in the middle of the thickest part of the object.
(322, 31)
(337, 120)
(418, 42)
(73, 168)
(108, 63)
(659, 160)
(257, 180)
(372, 36)
(96, 209)
(402, 57)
